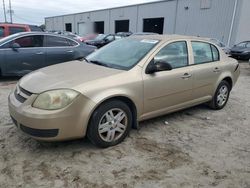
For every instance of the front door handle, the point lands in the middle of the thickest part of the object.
(69, 51)
(216, 69)
(186, 76)
(39, 53)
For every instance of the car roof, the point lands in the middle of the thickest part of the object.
(10, 37)
(13, 24)
(168, 37)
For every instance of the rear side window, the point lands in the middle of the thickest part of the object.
(1, 31)
(54, 41)
(13, 30)
(176, 54)
(216, 56)
(204, 52)
(27, 41)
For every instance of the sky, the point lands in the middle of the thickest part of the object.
(34, 11)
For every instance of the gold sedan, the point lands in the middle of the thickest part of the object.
(125, 82)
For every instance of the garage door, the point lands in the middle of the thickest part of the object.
(154, 25)
(82, 28)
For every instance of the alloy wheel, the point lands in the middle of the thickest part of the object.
(112, 125)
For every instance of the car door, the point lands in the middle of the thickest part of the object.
(168, 90)
(59, 49)
(206, 69)
(24, 54)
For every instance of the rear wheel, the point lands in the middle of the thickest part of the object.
(110, 124)
(221, 96)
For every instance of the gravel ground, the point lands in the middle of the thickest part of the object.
(197, 147)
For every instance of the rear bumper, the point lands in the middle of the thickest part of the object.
(51, 125)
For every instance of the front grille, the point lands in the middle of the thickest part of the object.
(21, 94)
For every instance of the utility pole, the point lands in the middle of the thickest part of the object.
(4, 12)
(11, 12)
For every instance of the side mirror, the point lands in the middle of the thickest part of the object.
(157, 66)
(15, 46)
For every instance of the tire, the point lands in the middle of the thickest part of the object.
(107, 129)
(221, 96)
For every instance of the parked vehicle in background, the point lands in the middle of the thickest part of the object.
(72, 35)
(89, 37)
(144, 33)
(127, 81)
(225, 48)
(241, 51)
(124, 34)
(22, 53)
(7, 29)
(102, 40)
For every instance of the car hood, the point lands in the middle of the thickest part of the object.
(64, 75)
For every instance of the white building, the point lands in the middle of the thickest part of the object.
(226, 20)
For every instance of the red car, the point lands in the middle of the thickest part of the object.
(88, 37)
(7, 29)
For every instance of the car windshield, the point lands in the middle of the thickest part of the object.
(242, 44)
(122, 54)
(100, 37)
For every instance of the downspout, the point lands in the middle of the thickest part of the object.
(232, 23)
(175, 21)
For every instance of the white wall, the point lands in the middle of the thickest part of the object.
(186, 17)
(162, 9)
(103, 15)
(127, 13)
(243, 28)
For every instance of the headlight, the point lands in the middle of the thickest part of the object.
(55, 99)
(245, 52)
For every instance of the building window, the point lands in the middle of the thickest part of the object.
(68, 27)
(99, 27)
(154, 25)
(121, 26)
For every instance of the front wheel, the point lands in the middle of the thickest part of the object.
(221, 96)
(110, 124)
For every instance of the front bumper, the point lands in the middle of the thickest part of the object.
(51, 125)
(241, 56)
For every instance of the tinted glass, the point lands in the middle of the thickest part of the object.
(14, 30)
(248, 45)
(124, 53)
(202, 52)
(53, 41)
(1, 32)
(27, 41)
(175, 54)
(100, 37)
(216, 56)
(110, 38)
(242, 44)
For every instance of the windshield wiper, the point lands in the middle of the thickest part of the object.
(99, 63)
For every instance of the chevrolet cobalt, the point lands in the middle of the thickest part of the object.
(127, 81)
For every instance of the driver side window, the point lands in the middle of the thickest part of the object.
(176, 54)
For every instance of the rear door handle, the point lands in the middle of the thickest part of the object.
(69, 51)
(216, 69)
(186, 76)
(39, 53)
